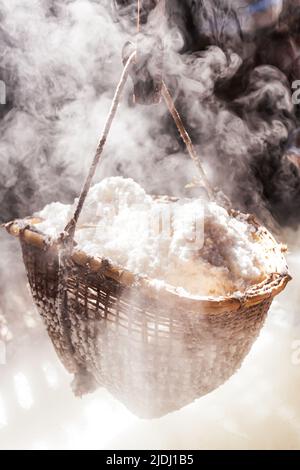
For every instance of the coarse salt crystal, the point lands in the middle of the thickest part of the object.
(192, 245)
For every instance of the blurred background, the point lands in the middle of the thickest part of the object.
(231, 67)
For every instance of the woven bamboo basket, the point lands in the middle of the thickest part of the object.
(155, 350)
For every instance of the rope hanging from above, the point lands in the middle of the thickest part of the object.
(71, 226)
(69, 232)
(147, 70)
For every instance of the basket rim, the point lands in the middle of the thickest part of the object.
(273, 285)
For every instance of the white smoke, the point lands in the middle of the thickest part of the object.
(60, 61)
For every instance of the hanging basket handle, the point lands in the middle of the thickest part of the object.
(69, 232)
(186, 139)
(67, 237)
(70, 228)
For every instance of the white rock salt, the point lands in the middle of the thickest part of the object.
(195, 246)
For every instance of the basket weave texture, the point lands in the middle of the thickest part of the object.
(154, 352)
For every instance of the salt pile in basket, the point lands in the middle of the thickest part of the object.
(165, 242)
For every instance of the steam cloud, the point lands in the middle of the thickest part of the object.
(60, 61)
